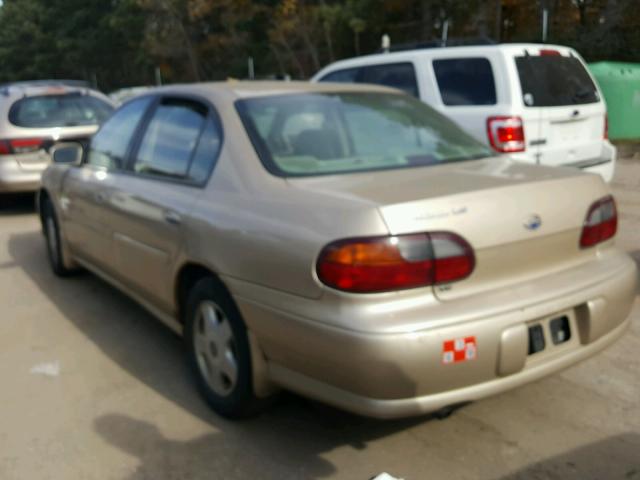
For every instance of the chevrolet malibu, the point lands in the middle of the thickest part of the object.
(344, 242)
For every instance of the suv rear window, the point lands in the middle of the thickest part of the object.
(68, 110)
(555, 80)
(395, 75)
(465, 81)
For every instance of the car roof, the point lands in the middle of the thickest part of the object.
(416, 54)
(248, 89)
(28, 89)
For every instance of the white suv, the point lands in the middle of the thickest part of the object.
(537, 103)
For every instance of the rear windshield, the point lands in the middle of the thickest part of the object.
(68, 110)
(555, 80)
(329, 133)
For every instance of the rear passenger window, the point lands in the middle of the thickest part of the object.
(395, 75)
(181, 142)
(465, 81)
(206, 153)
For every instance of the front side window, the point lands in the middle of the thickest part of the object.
(181, 142)
(109, 146)
(330, 133)
(554, 80)
(66, 110)
(395, 75)
(465, 81)
(348, 75)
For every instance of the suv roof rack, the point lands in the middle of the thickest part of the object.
(4, 87)
(451, 42)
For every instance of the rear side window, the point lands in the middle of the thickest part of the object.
(109, 146)
(555, 80)
(68, 110)
(180, 142)
(465, 81)
(395, 75)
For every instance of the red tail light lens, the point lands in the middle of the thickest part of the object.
(506, 134)
(547, 52)
(601, 223)
(21, 145)
(380, 264)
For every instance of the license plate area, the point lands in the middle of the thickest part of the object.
(550, 333)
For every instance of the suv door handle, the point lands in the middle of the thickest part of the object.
(172, 217)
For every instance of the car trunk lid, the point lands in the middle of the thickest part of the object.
(522, 221)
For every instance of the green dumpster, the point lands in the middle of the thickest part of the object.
(620, 84)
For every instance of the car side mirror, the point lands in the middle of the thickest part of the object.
(69, 153)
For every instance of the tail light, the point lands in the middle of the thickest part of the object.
(547, 52)
(379, 264)
(601, 223)
(506, 134)
(606, 126)
(21, 145)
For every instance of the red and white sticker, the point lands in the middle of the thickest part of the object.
(459, 350)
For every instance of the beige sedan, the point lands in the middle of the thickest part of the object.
(344, 242)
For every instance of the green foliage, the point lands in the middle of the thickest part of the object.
(121, 42)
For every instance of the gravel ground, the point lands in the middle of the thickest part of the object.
(94, 388)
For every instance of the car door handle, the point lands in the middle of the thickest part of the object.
(172, 217)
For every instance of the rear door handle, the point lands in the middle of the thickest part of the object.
(172, 217)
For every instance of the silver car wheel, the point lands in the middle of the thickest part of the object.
(52, 239)
(215, 348)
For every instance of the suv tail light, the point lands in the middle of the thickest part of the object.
(21, 145)
(601, 223)
(506, 134)
(380, 264)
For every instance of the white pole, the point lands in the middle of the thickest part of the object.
(545, 24)
(445, 32)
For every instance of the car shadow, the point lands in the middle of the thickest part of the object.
(17, 203)
(616, 457)
(290, 436)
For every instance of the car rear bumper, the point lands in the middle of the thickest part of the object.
(604, 165)
(14, 178)
(388, 374)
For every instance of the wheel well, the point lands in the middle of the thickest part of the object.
(188, 276)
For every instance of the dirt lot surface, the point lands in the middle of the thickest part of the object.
(92, 387)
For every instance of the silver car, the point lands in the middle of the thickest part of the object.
(34, 115)
(345, 242)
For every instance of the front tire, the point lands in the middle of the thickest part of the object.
(52, 238)
(218, 350)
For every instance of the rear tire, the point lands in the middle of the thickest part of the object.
(218, 351)
(52, 238)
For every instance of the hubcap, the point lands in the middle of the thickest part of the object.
(215, 348)
(52, 239)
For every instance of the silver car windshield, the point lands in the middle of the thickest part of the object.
(329, 133)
